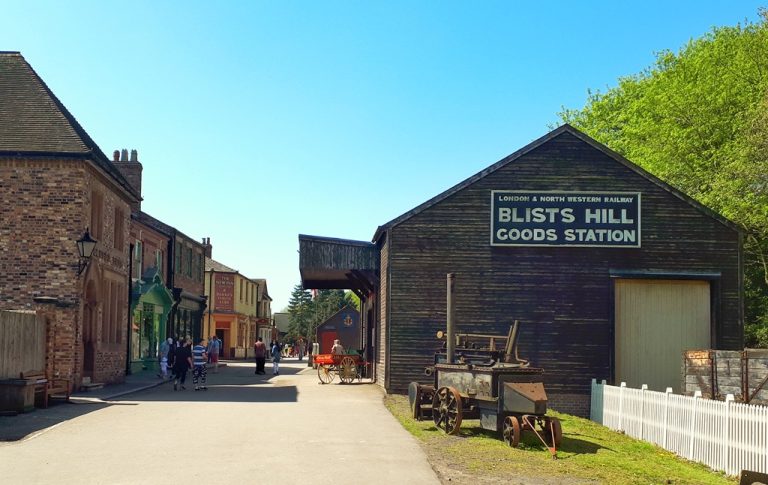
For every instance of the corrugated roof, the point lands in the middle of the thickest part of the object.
(34, 122)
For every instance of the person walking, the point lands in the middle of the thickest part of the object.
(275, 358)
(199, 371)
(260, 353)
(165, 350)
(214, 346)
(182, 363)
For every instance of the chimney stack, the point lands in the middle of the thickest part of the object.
(207, 247)
(131, 170)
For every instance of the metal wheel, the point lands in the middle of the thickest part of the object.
(557, 428)
(511, 431)
(447, 409)
(325, 374)
(347, 370)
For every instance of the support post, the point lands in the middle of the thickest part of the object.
(451, 337)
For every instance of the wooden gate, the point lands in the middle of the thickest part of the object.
(22, 343)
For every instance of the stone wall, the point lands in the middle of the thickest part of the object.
(717, 373)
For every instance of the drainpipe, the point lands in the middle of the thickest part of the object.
(210, 303)
(128, 336)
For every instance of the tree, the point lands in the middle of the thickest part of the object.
(300, 311)
(697, 120)
(306, 313)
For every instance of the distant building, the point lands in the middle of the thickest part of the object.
(282, 324)
(343, 325)
(238, 306)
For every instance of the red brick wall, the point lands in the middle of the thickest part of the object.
(46, 209)
(576, 404)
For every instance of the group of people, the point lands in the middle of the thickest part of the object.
(260, 352)
(181, 356)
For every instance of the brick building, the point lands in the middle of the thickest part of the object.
(173, 257)
(56, 184)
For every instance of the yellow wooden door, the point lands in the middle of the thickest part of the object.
(656, 320)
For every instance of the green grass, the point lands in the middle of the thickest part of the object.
(588, 451)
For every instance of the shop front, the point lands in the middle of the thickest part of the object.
(151, 302)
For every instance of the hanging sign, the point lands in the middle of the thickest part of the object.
(587, 219)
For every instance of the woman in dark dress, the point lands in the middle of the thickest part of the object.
(182, 364)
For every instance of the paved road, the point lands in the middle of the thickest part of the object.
(244, 429)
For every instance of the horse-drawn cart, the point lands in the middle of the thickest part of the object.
(347, 366)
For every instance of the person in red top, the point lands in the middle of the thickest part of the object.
(260, 353)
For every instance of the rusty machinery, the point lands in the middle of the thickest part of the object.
(486, 382)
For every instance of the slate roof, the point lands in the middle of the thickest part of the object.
(33, 122)
(216, 266)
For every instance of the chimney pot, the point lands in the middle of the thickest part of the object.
(134, 156)
(124, 155)
(116, 156)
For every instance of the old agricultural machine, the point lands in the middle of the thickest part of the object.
(487, 381)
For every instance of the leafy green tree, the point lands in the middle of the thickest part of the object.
(306, 312)
(697, 119)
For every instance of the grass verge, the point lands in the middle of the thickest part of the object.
(590, 453)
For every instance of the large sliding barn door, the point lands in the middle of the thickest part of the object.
(656, 320)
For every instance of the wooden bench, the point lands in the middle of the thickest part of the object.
(55, 387)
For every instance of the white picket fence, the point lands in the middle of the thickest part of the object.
(724, 435)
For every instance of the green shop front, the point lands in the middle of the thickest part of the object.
(151, 302)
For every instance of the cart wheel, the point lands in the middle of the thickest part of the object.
(558, 431)
(347, 370)
(447, 410)
(511, 431)
(325, 374)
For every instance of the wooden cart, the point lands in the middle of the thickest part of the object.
(347, 366)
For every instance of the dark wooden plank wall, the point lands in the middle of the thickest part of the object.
(316, 253)
(381, 328)
(563, 297)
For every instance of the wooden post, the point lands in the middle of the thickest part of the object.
(451, 337)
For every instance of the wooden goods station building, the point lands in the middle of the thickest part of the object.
(611, 272)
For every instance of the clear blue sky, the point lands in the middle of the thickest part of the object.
(257, 121)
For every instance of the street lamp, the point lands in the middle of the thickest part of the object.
(85, 247)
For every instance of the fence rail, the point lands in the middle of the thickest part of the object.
(724, 435)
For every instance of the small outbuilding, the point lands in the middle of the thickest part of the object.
(611, 272)
(343, 325)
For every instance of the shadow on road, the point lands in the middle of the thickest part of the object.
(218, 393)
(15, 428)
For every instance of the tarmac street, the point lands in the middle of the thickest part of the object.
(244, 429)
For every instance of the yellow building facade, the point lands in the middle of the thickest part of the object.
(233, 308)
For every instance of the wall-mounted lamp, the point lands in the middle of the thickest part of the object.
(85, 247)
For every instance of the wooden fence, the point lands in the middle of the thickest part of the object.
(22, 343)
(724, 435)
